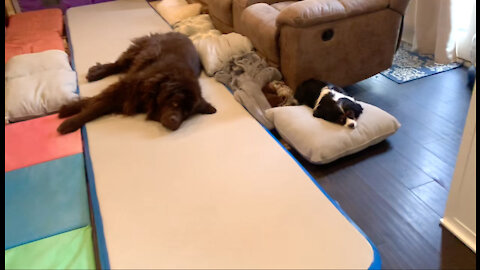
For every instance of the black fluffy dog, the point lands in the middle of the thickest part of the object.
(329, 102)
(161, 80)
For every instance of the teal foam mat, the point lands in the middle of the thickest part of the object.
(45, 200)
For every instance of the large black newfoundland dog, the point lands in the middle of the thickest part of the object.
(161, 80)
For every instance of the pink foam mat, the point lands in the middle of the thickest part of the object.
(34, 21)
(35, 141)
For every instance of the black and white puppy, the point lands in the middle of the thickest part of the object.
(329, 102)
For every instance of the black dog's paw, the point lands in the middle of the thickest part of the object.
(67, 126)
(96, 72)
(68, 110)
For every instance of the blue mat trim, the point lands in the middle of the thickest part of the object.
(409, 65)
(101, 244)
(98, 223)
(44, 200)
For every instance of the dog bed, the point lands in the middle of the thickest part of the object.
(320, 141)
(220, 192)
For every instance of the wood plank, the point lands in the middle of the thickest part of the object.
(423, 159)
(378, 219)
(444, 149)
(434, 195)
(403, 201)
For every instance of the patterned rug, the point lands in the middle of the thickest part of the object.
(408, 65)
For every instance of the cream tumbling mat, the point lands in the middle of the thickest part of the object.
(220, 192)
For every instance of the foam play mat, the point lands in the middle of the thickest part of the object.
(44, 200)
(35, 141)
(69, 250)
(220, 192)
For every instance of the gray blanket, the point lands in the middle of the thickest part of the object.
(245, 75)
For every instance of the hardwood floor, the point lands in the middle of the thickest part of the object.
(396, 191)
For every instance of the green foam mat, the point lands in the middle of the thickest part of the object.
(69, 250)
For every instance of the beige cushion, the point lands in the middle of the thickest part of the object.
(258, 24)
(174, 11)
(217, 50)
(193, 25)
(322, 142)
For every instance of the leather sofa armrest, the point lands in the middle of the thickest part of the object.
(311, 12)
(239, 5)
(258, 24)
(399, 5)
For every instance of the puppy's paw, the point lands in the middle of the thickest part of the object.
(68, 126)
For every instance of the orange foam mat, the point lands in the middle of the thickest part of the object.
(35, 141)
(36, 21)
(39, 42)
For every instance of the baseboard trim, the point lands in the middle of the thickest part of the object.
(465, 235)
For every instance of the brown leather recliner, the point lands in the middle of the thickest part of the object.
(340, 41)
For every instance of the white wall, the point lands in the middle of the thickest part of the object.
(460, 213)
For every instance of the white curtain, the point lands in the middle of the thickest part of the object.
(465, 20)
(443, 28)
(428, 27)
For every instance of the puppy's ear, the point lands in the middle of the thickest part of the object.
(358, 109)
(205, 108)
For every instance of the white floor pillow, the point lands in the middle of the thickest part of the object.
(38, 94)
(217, 50)
(320, 141)
(174, 11)
(193, 25)
(38, 84)
(25, 64)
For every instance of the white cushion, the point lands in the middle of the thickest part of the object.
(193, 25)
(37, 84)
(26, 64)
(174, 11)
(38, 94)
(217, 50)
(320, 141)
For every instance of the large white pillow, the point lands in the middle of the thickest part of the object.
(320, 141)
(174, 11)
(38, 94)
(26, 64)
(193, 25)
(217, 50)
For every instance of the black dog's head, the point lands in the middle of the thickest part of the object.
(176, 100)
(336, 107)
(329, 102)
